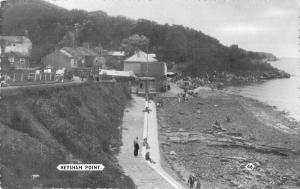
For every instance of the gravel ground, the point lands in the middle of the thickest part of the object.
(219, 137)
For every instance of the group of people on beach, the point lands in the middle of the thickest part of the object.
(182, 97)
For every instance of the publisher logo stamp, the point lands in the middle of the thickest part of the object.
(80, 167)
(250, 166)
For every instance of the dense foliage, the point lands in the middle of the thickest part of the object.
(134, 43)
(51, 27)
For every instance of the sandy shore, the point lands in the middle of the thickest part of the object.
(247, 132)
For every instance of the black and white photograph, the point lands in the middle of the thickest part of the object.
(149, 94)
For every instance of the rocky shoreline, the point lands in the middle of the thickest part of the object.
(217, 136)
(248, 77)
(221, 80)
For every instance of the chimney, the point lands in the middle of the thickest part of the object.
(86, 45)
(3, 4)
(26, 33)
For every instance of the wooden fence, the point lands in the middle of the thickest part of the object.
(24, 76)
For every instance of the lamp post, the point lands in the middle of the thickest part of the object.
(147, 82)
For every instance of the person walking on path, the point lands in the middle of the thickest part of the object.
(145, 143)
(179, 96)
(197, 183)
(136, 140)
(136, 147)
(191, 180)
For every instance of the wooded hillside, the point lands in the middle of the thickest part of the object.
(50, 27)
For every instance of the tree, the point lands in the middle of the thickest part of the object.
(134, 43)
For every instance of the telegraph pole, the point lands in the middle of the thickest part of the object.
(2, 40)
(76, 31)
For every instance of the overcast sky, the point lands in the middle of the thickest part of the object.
(257, 25)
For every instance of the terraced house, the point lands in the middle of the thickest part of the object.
(17, 50)
(73, 57)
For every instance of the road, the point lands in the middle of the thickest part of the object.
(39, 85)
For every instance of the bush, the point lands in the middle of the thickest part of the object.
(21, 124)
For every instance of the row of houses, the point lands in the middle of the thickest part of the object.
(17, 50)
(147, 70)
(73, 57)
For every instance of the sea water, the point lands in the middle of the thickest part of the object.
(282, 93)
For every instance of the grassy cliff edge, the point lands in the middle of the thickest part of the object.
(41, 128)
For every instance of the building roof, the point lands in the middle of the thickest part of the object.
(116, 53)
(77, 51)
(152, 55)
(117, 73)
(65, 53)
(171, 73)
(146, 78)
(17, 54)
(15, 39)
(17, 44)
(141, 56)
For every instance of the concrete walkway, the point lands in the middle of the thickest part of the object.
(138, 169)
(151, 133)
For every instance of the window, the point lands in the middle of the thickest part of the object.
(72, 63)
(22, 60)
(11, 59)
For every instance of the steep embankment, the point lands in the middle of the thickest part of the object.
(43, 127)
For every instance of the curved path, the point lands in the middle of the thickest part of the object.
(145, 176)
